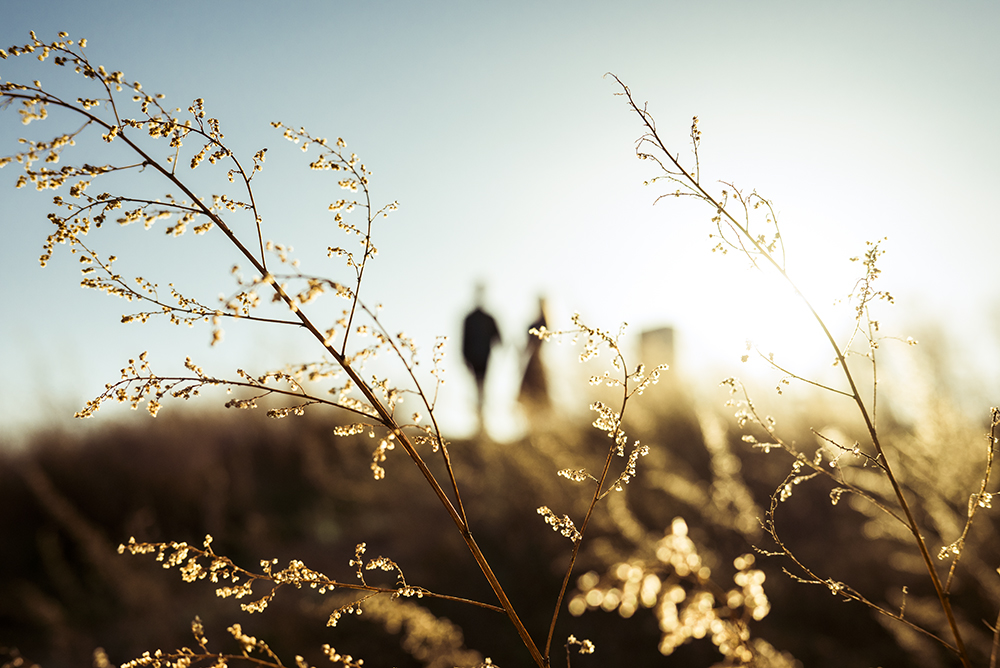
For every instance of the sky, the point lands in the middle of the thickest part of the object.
(513, 161)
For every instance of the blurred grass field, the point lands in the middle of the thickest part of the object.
(288, 489)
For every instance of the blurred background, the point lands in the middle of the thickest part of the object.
(513, 161)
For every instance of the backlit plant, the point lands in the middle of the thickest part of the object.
(160, 147)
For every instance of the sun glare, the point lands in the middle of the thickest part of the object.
(766, 324)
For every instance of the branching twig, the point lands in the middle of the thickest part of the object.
(754, 249)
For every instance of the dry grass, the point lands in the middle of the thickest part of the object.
(358, 529)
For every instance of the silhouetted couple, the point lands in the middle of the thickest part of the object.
(480, 333)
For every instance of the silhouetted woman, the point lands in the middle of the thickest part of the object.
(534, 394)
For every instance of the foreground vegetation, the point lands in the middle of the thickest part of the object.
(675, 538)
(266, 489)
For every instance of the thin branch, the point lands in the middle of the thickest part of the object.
(383, 413)
(598, 494)
(770, 360)
(977, 500)
(652, 138)
(446, 455)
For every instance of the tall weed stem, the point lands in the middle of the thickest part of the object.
(753, 248)
(118, 130)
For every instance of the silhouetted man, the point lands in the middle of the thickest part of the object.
(478, 336)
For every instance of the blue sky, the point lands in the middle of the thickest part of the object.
(512, 160)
